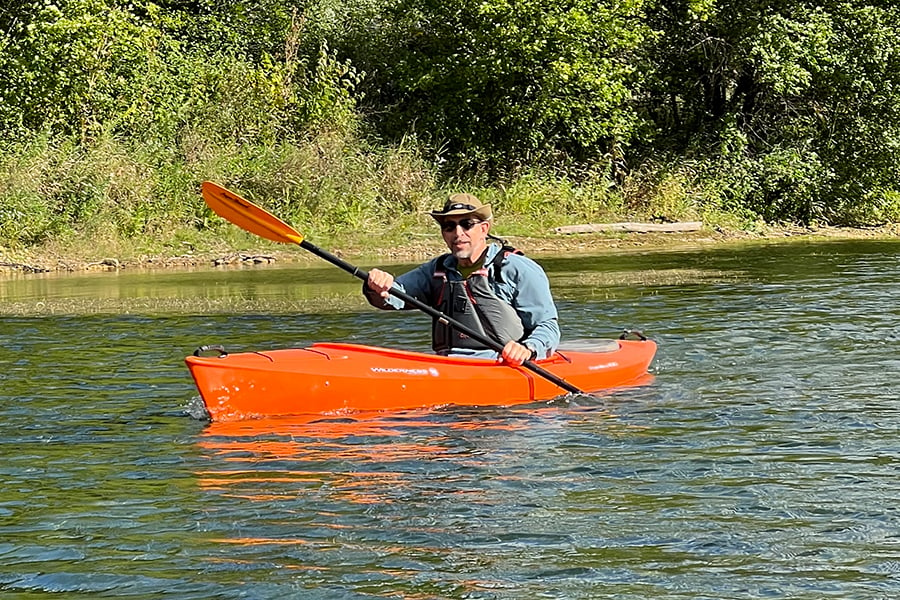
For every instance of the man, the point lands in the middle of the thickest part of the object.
(492, 289)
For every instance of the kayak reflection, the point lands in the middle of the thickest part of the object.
(311, 484)
(359, 459)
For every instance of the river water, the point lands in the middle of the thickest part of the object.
(762, 462)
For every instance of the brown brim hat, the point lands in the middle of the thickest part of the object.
(458, 205)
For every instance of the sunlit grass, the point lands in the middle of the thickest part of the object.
(112, 198)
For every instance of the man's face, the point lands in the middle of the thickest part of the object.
(465, 237)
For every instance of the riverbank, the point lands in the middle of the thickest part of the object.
(420, 246)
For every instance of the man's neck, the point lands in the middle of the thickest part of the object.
(465, 271)
(468, 262)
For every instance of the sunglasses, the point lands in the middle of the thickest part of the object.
(466, 224)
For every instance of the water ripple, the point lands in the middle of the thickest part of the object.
(761, 462)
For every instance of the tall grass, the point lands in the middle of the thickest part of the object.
(333, 186)
(336, 187)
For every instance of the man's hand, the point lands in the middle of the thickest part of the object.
(515, 353)
(380, 282)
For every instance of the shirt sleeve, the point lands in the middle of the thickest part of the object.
(416, 283)
(533, 301)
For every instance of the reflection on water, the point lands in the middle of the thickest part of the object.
(256, 451)
(275, 289)
(761, 462)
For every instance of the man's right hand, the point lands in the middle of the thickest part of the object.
(380, 282)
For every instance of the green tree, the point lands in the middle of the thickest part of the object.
(500, 84)
(795, 105)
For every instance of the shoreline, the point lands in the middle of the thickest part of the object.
(35, 262)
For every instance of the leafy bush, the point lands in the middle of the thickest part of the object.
(73, 65)
(81, 67)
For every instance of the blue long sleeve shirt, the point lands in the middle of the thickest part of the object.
(524, 286)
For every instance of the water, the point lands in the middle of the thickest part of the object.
(761, 463)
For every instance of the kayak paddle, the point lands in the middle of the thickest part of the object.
(254, 219)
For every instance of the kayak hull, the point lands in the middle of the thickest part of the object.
(332, 378)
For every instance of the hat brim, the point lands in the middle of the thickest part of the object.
(483, 212)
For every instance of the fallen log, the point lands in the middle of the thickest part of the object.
(633, 227)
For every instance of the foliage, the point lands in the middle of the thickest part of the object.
(799, 99)
(347, 113)
(106, 101)
(78, 67)
(326, 185)
(503, 84)
(67, 65)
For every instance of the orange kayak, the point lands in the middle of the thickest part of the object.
(332, 378)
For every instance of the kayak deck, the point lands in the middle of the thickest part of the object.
(336, 377)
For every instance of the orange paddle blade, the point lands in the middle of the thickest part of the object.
(247, 215)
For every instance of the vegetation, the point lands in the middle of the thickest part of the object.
(344, 115)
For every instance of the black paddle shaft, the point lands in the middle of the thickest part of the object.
(490, 343)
